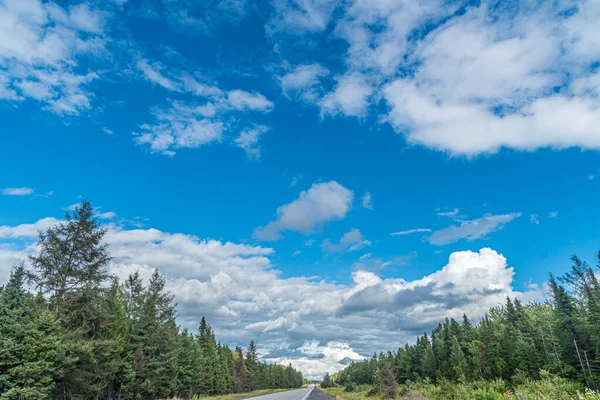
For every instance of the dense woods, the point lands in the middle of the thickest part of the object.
(515, 343)
(82, 334)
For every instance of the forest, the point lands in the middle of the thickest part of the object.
(70, 330)
(555, 343)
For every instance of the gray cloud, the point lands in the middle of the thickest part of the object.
(315, 324)
(471, 230)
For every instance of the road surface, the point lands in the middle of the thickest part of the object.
(298, 394)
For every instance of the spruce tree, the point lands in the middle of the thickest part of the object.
(388, 387)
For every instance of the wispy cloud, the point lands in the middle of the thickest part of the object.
(449, 214)
(17, 191)
(351, 241)
(410, 232)
(553, 214)
(367, 201)
(471, 230)
(248, 140)
(534, 219)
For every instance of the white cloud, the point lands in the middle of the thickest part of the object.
(296, 253)
(322, 203)
(107, 131)
(41, 45)
(107, 215)
(20, 191)
(534, 219)
(242, 100)
(180, 126)
(309, 242)
(300, 16)
(351, 241)
(365, 256)
(249, 141)
(410, 232)
(314, 358)
(152, 72)
(304, 81)
(467, 82)
(450, 214)
(320, 324)
(483, 85)
(471, 230)
(553, 214)
(192, 124)
(26, 230)
(367, 201)
(350, 96)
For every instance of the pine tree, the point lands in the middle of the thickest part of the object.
(388, 387)
(32, 352)
(71, 268)
(326, 381)
(241, 373)
(252, 366)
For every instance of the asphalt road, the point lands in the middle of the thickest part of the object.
(297, 394)
(318, 394)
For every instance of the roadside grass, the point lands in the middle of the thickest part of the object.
(550, 387)
(235, 396)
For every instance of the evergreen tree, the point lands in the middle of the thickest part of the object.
(326, 381)
(32, 352)
(388, 387)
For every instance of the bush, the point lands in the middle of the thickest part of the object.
(486, 394)
(350, 387)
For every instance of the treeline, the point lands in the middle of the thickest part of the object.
(513, 343)
(85, 335)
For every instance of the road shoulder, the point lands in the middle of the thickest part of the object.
(318, 394)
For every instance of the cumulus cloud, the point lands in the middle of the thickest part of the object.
(471, 230)
(486, 80)
(41, 44)
(314, 324)
(367, 201)
(17, 191)
(322, 203)
(534, 219)
(26, 230)
(350, 96)
(351, 241)
(463, 80)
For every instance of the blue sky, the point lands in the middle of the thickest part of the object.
(287, 163)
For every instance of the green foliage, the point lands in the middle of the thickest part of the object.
(388, 387)
(326, 381)
(86, 336)
(512, 346)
